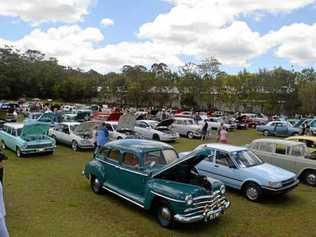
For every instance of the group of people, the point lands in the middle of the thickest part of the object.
(222, 134)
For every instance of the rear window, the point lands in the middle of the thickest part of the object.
(160, 157)
(267, 147)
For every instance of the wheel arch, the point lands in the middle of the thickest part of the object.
(304, 170)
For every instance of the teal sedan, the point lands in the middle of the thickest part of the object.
(150, 175)
(28, 138)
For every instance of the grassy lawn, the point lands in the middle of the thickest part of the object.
(47, 196)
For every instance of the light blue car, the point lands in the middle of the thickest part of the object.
(241, 169)
(279, 128)
(27, 138)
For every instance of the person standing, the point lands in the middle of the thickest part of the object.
(204, 131)
(3, 226)
(102, 136)
(2, 158)
(222, 134)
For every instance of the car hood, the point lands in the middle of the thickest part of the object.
(126, 122)
(34, 128)
(165, 123)
(188, 161)
(87, 127)
(271, 173)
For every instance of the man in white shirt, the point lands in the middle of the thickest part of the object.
(3, 227)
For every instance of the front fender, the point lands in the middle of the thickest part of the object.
(94, 168)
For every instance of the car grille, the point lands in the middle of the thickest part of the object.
(288, 182)
(205, 203)
(39, 146)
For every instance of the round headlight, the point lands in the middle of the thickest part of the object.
(189, 200)
(222, 189)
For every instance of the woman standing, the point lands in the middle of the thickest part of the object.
(222, 134)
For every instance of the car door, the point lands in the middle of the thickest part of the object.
(143, 129)
(10, 138)
(58, 133)
(281, 157)
(110, 159)
(66, 135)
(132, 179)
(281, 129)
(177, 126)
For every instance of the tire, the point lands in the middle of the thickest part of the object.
(253, 192)
(119, 138)
(310, 178)
(190, 135)
(156, 137)
(266, 133)
(295, 134)
(18, 152)
(2, 145)
(96, 185)
(165, 216)
(74, 145)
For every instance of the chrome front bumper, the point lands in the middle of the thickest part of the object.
(207, 215)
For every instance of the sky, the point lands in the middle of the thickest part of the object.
(104, 35)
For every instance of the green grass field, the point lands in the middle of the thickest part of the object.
(47, 196)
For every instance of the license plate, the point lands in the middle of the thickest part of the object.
(41, 149)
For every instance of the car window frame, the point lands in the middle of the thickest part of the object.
(229, 157)
(118, 161)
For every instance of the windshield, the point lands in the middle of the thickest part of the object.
(163, 157)
(73, 127)
(189, 122)
(153, 124)
(246, 159)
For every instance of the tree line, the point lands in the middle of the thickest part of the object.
(202, 86)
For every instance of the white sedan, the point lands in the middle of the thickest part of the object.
(154, 130)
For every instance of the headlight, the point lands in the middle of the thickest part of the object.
(222, 189)
(189, 200)
(275, 184)
(24, 146)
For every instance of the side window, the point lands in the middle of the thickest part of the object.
(114, 155)
(297, 150)
(108, 127)
(223, 158)
(131, 161)
(267, 147)
(255, 146)
(65, 129)
(141, 125)
(313, 124)
(180, 122)
(211, 156)
(280, 149)
(104, 153)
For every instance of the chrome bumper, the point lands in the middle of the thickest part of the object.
(208, 215)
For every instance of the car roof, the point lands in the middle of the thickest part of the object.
(70, 123)
(278, 141)
(182, 118)
(14, 125)
(138, 145)
(311, 138)
(111, 122)
(224, 147)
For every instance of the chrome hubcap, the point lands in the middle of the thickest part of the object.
(165, 213)
(74, 146)
(252, 193)
(96, 185)
(311, 179)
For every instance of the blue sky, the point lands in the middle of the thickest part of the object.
(161, 39)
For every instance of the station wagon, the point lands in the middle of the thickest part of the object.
(150, 175)
(29, 138)
(290, 155)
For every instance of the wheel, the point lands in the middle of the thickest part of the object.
(2, 145)
(119, 138)
(156, 137)
(96, 185)
(74, 145)
(295, 134)
(19, 154)
(165, 216)
(266, 133)
(253, 192)
(190, 135)
(310, 178)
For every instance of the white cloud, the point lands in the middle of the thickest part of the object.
(196, 29)
(38, 11)
(107, 22)
(295, 42)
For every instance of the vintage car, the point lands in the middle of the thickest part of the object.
(215, 122)
(289, 155)
(29, 138)
(158, 131)
(150, 175)
(310, 142)
(241, 169)
(186, 127)
(278, 128)
(73, 134)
